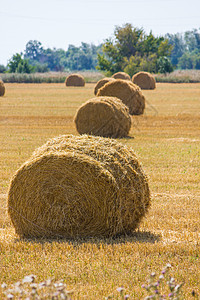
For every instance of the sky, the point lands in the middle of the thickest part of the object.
(58, 23)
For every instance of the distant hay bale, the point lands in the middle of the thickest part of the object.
(101, 83)
(78, 186)
(103, 116)
(130, 94)
(2, 88)
(75, 80)
(144, 80)
(121, 75)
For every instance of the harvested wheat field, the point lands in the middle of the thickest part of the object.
(166, 140)
(103, 116)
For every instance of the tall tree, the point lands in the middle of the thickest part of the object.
(19, 65)
(186, 49)
(178, 46)
(83, 57)
(132, 49)
(125, 43)
(33, 50)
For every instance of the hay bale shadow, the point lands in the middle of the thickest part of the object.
(132, 237)
(128, 137)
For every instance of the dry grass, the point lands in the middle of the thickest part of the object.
(176, 76)
(167, 142)
(48, 77)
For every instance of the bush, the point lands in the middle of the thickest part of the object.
(137, 63)
(189, 60)
(19, 65)
(164, 65)
(2, 69)
(41, 68)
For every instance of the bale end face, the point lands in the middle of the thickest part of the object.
(103, 116)
(144, 80)
(75, 80)
(49, 197)
(2, 88)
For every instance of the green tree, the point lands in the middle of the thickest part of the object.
(43, 60)
(19, 65)
(132, 65)
(132, 50)
(128, 40)
(178, 46)
(192, 40)
(150, 44)
(164, 65)
(14, 62)
(82, 58)
(52, 58)
(24, 67)
(186, 49)
(164, 48)
(2, 69)
(147, 63)
(33, 51)
(125, 43)
(189, 60)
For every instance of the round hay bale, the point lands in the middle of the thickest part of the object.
(121, 75)
(130, 94)
(78, 186)
(101, 83)
(103, 116)
(144, 80)
(2, 88)
(75, 80)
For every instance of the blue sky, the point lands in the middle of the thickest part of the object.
(58, 23)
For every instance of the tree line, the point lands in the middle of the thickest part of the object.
(129, 49)
(36, 58)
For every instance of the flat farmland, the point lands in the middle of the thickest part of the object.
(166, 140)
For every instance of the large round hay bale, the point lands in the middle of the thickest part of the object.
(101, 83)
(78, 186)
(2, 88)
(75, 80)
(121, 75)
(103, 116)
(130, 94)
(144, 80)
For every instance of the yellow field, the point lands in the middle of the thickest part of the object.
(166, 140)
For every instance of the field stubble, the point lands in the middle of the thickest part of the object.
(167, 141)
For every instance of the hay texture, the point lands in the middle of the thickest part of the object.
(144, 80)
(2, 88)
(75, 80)
(101, 83)
(103, 116)
(130, 94)
(78, 186)
(121, 75)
